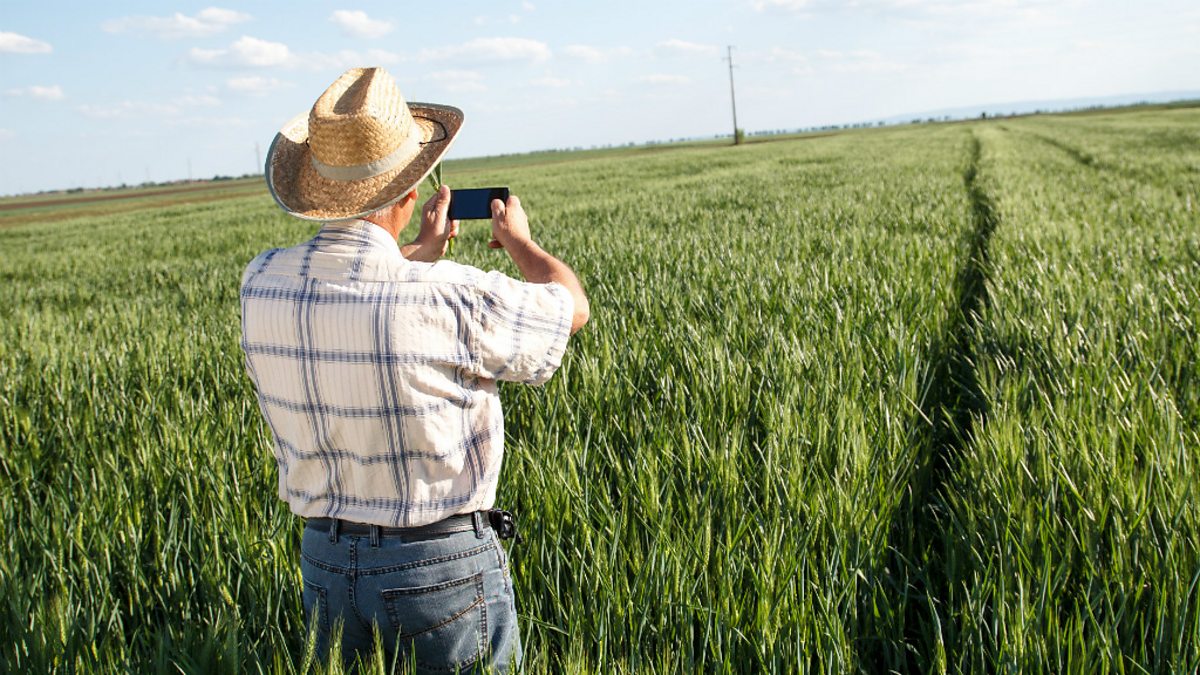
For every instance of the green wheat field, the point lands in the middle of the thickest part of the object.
(913, 399)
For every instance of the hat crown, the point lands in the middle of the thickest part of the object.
(361, 118)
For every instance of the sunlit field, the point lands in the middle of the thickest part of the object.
(922, 399)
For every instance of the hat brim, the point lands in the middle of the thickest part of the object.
(304, 193)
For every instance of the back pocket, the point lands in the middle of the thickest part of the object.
(316, 601)
(443, 627)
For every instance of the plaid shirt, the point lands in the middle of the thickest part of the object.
(377, 375)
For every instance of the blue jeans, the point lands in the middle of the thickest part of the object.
(443, 603)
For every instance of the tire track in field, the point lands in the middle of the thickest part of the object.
(952, 403)
(1088, 160)
(1080, 156)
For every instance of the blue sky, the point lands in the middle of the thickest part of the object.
(100, 93)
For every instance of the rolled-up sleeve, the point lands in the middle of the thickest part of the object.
(522, 328)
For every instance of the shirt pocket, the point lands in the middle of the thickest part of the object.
(441, 627)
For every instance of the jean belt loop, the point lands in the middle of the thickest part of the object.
(477, 521)
(333, 530)
(374, 536)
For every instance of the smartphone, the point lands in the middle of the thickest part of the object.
(475, 203)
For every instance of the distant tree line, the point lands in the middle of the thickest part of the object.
(146, 184)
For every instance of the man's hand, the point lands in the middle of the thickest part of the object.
(510, 225)
(436, 229)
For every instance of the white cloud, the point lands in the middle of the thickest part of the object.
(859, 61)
(786, 5)
(458, 81)
(1026, 10)
(382, 56)
(528, 6)
(196, 101)
(485, 20)
(6, 134)
(208, 122)
(661, 79)
(779, 54)
(245, 52)
(138, 109)
(871, 67)
(255, 85)
(1023, 9)
(589, 54)
(585, 53)
(227, 17)
(356, 23)
(990, 57)
(342, 59)
(490, 50)
(15, 43)
(209, 21)
(550, 82)
(250, 52)
(687, 48)
(51, 92)
(798, 61)
(125, 109)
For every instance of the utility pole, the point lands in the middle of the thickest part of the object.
(737, 138)
(258, 165)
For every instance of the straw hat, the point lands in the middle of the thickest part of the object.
(359, 149)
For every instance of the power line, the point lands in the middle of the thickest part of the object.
(737, 138)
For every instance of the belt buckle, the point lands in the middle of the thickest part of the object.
(504, 523)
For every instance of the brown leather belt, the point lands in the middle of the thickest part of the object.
(462, 522)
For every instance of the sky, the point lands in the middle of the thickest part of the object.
(103, 93)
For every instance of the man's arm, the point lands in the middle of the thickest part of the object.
(510, 231)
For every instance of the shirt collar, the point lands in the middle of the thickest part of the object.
(360, 232)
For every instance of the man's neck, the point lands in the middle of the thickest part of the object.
(386, 225)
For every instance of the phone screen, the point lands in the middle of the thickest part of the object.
(475, 203)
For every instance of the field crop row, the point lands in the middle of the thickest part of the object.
(1073, 516)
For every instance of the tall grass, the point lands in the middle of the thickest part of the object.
(1073, 518)
(761, 455)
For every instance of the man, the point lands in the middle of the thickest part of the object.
(376, 365)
